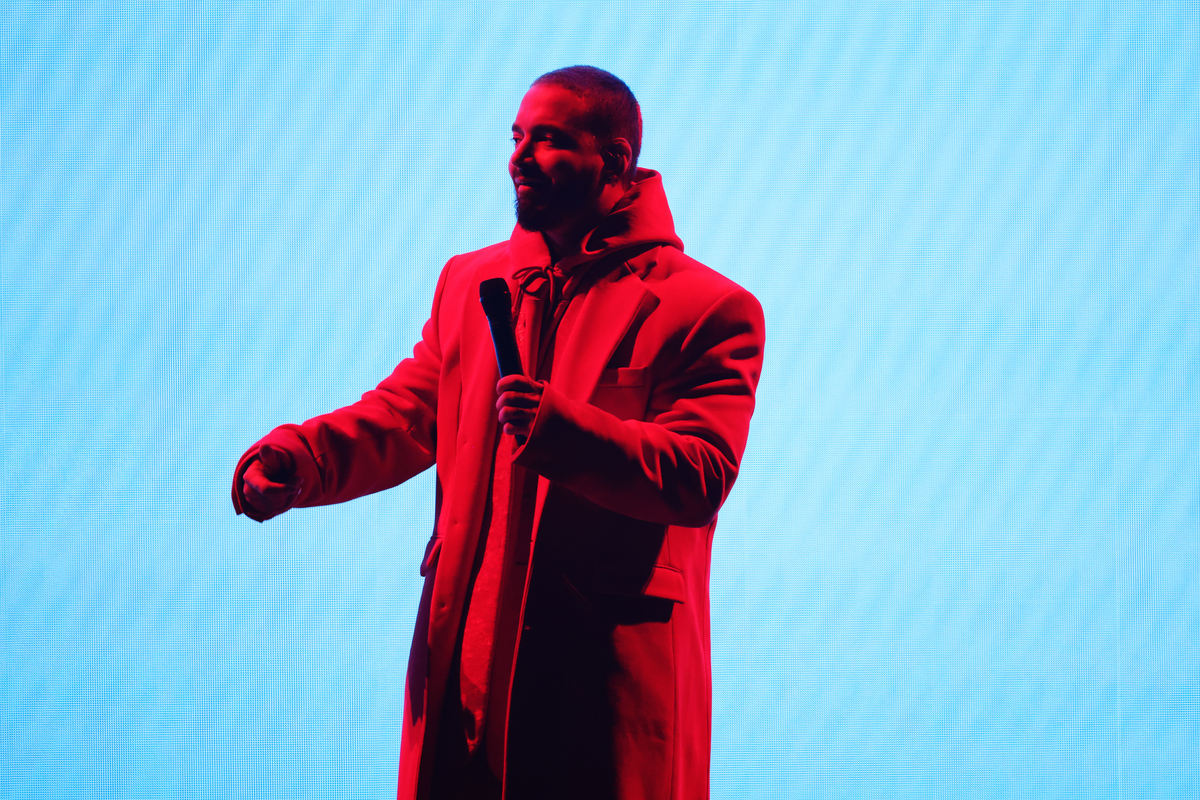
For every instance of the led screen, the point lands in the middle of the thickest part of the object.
(961, 557)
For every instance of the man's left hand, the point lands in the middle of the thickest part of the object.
(518, 404)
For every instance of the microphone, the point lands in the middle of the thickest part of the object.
(497, 305)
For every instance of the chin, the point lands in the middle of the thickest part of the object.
(534, 217)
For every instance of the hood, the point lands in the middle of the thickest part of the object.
(640, 218)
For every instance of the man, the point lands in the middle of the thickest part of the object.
(562, 641)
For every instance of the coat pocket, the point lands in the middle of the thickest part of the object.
(623, 392)
(663, 582)
(622, 376)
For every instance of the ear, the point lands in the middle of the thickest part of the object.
(617, 155)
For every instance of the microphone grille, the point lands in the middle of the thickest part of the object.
(493, 293)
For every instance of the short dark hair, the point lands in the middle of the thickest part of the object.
(615, 112)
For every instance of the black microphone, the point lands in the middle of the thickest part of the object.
(497, 304)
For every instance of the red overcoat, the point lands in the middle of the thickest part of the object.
(636, 445)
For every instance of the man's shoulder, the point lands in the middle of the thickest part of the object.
(672, 274)
(499, 250)
(460, 271)
(473, 259)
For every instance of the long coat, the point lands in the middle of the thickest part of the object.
(635, 445)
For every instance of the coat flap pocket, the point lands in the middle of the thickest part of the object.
(623, 376)
(432, 550)
(665, 582)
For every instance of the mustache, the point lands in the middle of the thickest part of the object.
(531, 177)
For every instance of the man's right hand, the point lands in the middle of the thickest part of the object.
(270, 484)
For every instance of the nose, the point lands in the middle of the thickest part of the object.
(520, 153)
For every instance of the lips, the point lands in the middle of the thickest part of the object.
(531, 189)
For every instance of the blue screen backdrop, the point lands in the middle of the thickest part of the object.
(963, 556)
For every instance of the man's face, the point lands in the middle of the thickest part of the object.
(556, 166)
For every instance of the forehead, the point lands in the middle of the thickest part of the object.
(551, 105)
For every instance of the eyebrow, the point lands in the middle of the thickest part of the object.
(542, 127)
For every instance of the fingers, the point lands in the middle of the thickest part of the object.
(517, 416)
(268, 479)
(265, 494)
(517, 400)
(517, 405)
(518, 432)
(274, 473)
(517, 391)
(517, 422)
(256, 477)
(277, 462)
(268, 504)
(518, 383)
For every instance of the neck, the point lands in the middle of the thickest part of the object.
(564, 243)
(567, 239)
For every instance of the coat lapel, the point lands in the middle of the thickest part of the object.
(604, 317)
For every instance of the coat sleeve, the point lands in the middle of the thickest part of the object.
(382, 440)
(678, 465)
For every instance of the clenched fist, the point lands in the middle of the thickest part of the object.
(270, 484)
(518, 405)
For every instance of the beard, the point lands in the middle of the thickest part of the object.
(550, 205)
